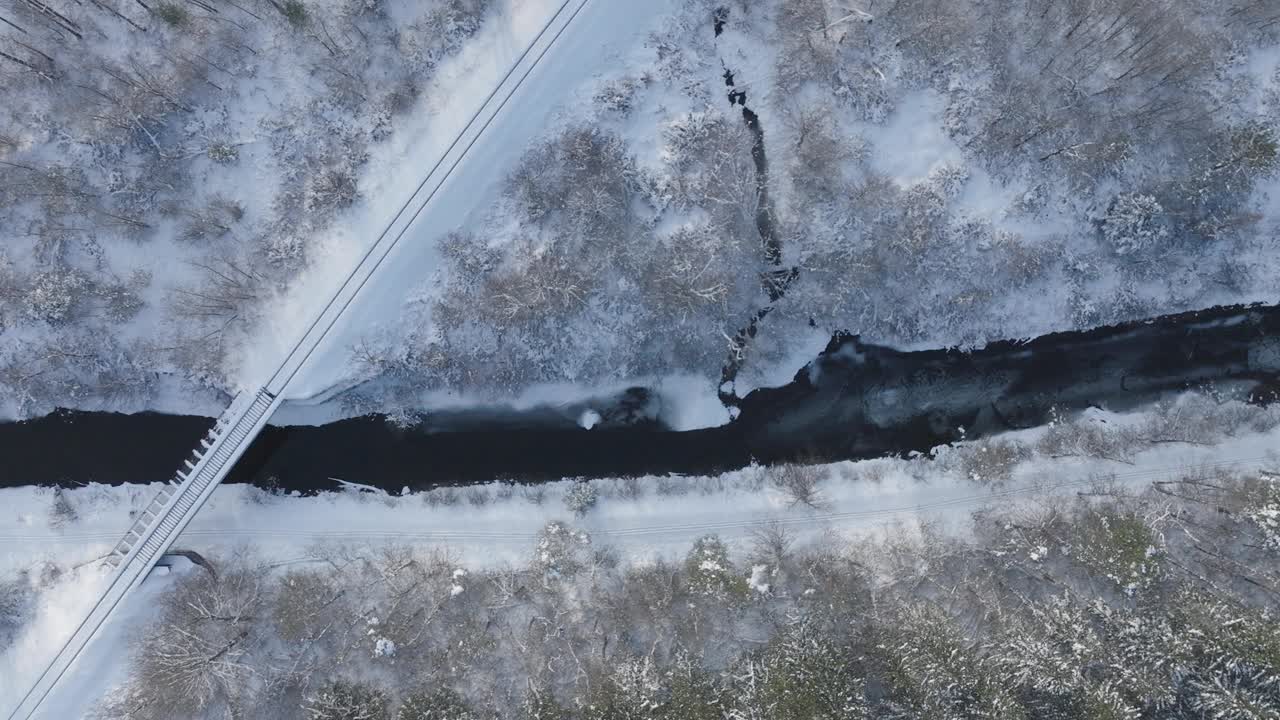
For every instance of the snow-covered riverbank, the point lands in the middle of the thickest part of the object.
(52, 538)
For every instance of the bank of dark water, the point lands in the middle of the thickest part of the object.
(858, 400)
(855, 401)
(774, 279)
(72, 448)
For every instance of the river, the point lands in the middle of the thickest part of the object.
(855, 400)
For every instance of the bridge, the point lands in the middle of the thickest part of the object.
(160, 523)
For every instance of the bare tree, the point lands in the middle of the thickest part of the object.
(694, 269)
(198, 656)
(801, 483)
(213, 221)
(229, 289)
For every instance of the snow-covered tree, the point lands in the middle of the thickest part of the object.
(15, 603)
(539, 704)
(991, 461)
(632, 689)
(1119, 546)
(1133, 224)
(691, 272)
(1236, 651)
(709, 571)
(581, 497)
(215, 220)
(803, 674)
(1145, 655)
(331, 189)
(802, 484)
(1051, 657)
(305, 606)
(583, 176)
(342, 700)
(197, 657)
(1263, 511)
(469, 256)
(54, 295)
(935, 672)
(438, 704)
(560, 551)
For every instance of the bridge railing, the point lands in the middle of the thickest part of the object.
(156, 527)
(193, 464)
(205, 468)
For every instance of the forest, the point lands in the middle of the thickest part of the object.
(1114, 602)
(168, 168)
(919, 173)
(935, 176)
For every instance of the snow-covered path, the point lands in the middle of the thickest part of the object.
(858, 496)
(631, 523)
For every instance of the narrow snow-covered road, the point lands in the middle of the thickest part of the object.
(625, 524)
(655, 523)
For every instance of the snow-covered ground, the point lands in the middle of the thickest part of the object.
(907, 224)
(984, 248)
(910, 220)
(49, 541)
(604, 35)
(591, 41)
(162, 176)
(103, 663)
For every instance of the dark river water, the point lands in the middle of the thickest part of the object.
(854, 401)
